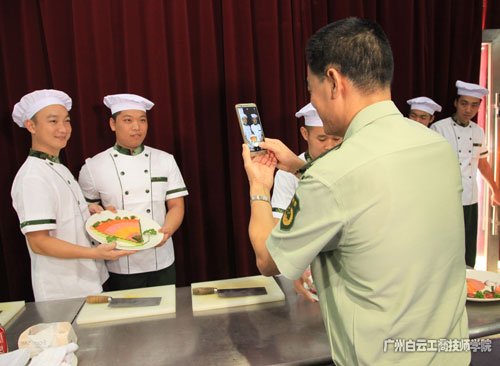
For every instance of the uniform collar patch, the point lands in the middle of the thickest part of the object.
(125, 151)
(44, 156)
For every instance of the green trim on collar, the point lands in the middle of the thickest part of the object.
(44, 156)
(176, 190)
(308, 157)
(125, 151)
(279, 210)
(311, 161)
(38, 222)
(454, 118)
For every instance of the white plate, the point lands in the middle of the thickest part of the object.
(146, 224)
(483, 276)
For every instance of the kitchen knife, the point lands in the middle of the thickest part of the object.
(124, 302)
(230, 292)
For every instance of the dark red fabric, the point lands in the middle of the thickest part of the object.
(195, 59)
(491, 14)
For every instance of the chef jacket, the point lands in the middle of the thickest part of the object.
(139, 182)
(257, 130)
(470, 146)
(285, 185)
(46, 196)
(383, 271)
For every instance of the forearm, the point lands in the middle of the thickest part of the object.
(261, 224)
(173, 219)
(487, 173)
(54, 247)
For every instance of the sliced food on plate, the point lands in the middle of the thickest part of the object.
(483, 285)
(128, 230)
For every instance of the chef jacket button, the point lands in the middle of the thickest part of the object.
(458, 137)
(146, 154)
(470, 151)
(148, 210)
(147, 190)
(51, 163)
(470, 177)
(126, 192)
(146, 171)
(69, 182)
(459, 150)
(78, 202)
(115, 155)
(122, 173)
(470, 138)
(460, 163)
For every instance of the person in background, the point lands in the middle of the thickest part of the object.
(388, 269)
(51, 208)
(467, 140)
(422, 110)
(256, 127)
(134, 177)
(285, 184)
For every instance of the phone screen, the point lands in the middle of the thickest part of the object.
(250, 125)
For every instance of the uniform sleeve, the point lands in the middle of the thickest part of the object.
(175, 185)
(285, 185)
(313, 222)
(87, 185)
(36, 204)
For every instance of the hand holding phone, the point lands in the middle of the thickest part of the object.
(250, 126)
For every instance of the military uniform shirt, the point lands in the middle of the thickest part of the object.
(46, 196)
(140, 183)
(469, 145)
(380, 219)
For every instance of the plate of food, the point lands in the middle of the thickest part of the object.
(482, 286)
(129, 230)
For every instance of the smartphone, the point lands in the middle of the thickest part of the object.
(250, 126)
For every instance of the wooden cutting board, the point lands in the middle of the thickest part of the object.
(210, 302)
(95, 313)
(9, 310)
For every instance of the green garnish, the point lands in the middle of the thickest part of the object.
(479, 295)
(149, 232)
(111, 238)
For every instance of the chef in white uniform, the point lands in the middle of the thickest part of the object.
(256, 127)
(140, 179)
(422, 110)
(51, 208)
(467, 139)
(286, 183)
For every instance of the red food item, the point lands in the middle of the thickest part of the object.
(474, 286)
(122, 228)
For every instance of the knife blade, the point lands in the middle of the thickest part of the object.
(230, 292)
(114, 302)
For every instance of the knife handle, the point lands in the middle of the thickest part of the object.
(98, 299)
(204, 290)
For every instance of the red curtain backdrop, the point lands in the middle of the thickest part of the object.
(196, 59)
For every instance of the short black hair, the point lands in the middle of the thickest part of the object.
(114, 115)
(357, 48)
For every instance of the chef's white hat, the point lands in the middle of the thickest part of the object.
(472, 90)
(31, 103)
(311, 117)
(123, 102)
(424, 104)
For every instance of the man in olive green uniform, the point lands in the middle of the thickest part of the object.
(379, 216)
